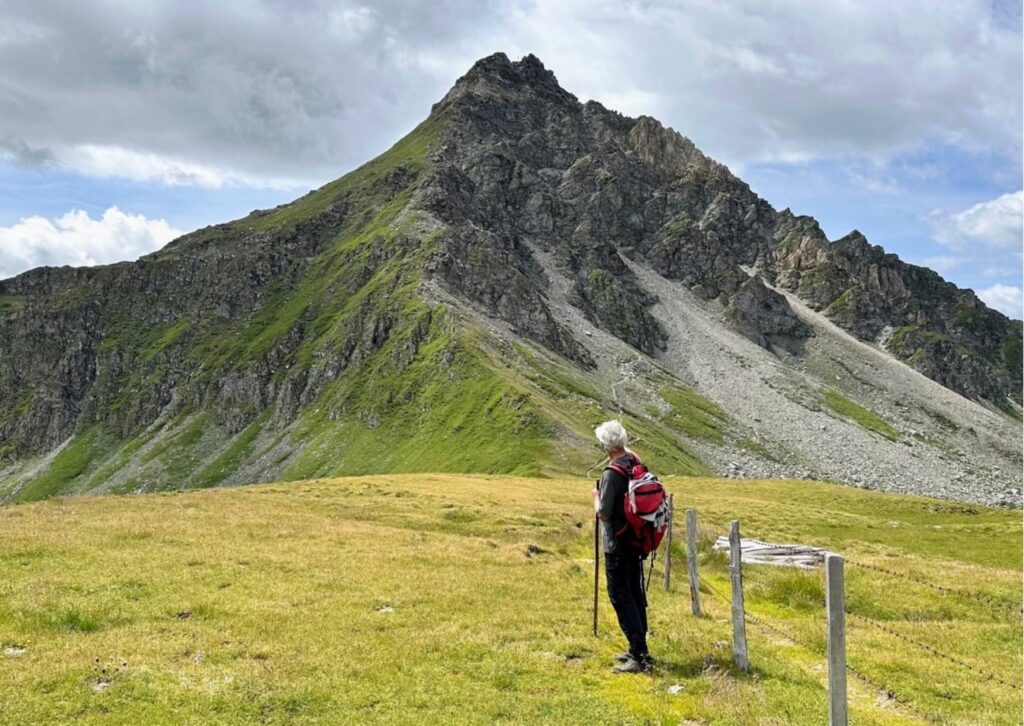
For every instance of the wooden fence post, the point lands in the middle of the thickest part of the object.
(691, 560)
(597, 564)
(668, 544)
(739, 624)
(835, 607)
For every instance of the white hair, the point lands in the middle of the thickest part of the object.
(611, 435)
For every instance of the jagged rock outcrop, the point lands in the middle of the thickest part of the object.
(763, 315)
(945, 332)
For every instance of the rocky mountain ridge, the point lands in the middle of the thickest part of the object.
(615, 185)
(282, 344)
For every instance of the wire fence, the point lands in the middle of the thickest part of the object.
(775, 630)
(858, 670)
(977, 597)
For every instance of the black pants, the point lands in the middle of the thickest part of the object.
(625, 574)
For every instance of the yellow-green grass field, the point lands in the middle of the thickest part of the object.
(459, 599)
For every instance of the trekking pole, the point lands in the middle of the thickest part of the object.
(597, 555)
(600, 463)
(650, 572)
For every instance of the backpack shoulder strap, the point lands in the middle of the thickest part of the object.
(626, 468)
(619, 468)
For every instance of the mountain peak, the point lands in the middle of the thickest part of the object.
(528, 69)
(496, 74)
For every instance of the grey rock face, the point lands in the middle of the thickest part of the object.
(944, 332)
(761, 315)
(122, 345)
(529, 163)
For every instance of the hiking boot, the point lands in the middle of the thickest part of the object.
(633, 666)
(625, 656)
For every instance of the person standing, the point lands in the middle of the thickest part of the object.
(623, 562)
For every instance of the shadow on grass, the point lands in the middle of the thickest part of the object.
(704, 665)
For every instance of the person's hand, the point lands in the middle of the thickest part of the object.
(597, 501)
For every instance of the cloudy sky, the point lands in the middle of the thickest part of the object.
(124, 124)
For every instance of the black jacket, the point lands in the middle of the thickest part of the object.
(611, 504)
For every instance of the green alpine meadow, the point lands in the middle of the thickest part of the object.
(415, 598)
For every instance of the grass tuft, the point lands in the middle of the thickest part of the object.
(73, 620)
(694, 415)
(864, 418)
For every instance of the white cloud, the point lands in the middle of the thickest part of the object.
(114, 161)
(800, 81)
(997, 223)
(207, 94)
(1008, 299)
(985, 246)
(874, 183)
(76, 239)
(217, 91)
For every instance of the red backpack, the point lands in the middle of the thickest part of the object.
(646, 506)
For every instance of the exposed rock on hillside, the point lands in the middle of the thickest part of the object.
(761, 314)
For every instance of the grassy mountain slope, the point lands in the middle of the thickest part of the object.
(393, 382)
(436, 396)
(353, 299)
(161, 609)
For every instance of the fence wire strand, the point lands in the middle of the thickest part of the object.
(976, 596)
(931, 649)
(857, 673)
